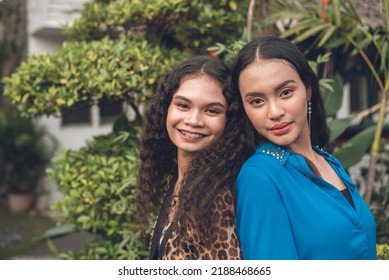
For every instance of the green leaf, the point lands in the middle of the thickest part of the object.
(337, 9)
(333, 100)
(352, 151)
(338, 126)
(310, 32)
(384, 56)
(364, 43)
(295, 29)
(336, 43)
(327, 35)
(58, 231)
(83, 219)
(101, 250)
(233, 5)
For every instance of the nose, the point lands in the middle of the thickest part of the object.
(275, 111)
(194, 119)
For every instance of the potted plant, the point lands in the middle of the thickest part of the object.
(24, 155)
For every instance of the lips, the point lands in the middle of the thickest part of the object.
(281, 128)
(191, 135)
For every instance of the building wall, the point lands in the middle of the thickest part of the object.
(45, 21)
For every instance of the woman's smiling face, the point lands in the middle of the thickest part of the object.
(275, 100)
(196, 116)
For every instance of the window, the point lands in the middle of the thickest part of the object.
(109, 110)
(105, 112)
(79, 114)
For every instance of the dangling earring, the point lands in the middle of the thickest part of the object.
(309, 113)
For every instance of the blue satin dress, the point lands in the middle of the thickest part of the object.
(285, 212)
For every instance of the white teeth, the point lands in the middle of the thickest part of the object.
(191, 135)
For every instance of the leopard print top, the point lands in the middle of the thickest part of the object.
(187, 244)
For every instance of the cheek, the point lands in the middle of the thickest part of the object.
(170, 120)
(255, 117)
(171, 115)
(299, 109)
(218, 126)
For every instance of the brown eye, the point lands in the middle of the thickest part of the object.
(213, 111)
(182, 106)
(256, 102)
(285, 93)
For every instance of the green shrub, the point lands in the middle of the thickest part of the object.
(126, 69)
(23, 141)
(98, 183)
(383, 251)
(189, 25)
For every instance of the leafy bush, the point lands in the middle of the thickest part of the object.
(380, 198)
(25, 151)
(126, 69)
(383, 251)
(98, 184)
(190, 25)
(123, 48)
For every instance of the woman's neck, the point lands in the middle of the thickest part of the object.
(306, 152)
(303, 146)
(313, 159)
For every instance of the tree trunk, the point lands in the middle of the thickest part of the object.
(250, 14)
(13, 35)
(370, 177)
(375, 149)
(13, 39)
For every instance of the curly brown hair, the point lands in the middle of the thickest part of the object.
(212, 171)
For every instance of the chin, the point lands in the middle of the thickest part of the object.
(281, 142)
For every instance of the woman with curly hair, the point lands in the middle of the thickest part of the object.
(192, 146)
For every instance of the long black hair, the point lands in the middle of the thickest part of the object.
(269, 47)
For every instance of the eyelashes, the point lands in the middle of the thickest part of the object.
(257, 101)
(210, 110)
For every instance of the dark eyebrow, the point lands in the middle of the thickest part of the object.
(284, 84)
(209, 104)
(280, 86)
(216, 104)
(254, 94)
(182, 98)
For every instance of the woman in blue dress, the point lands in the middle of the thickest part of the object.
(294, 200)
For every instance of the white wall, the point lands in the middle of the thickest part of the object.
(45, 19)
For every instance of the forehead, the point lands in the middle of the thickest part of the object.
(274, 64)
(200, 86)
(267, 71)
(200, 77)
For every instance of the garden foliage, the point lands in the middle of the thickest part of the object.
(98, 183)
(117, 49)
(125, 68)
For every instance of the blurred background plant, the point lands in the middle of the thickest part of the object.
(383, 252)
(336, 27)
(26, 149)
(119, 49)
(339, 42)
(380, 195)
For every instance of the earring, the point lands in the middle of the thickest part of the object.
(309, 113)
